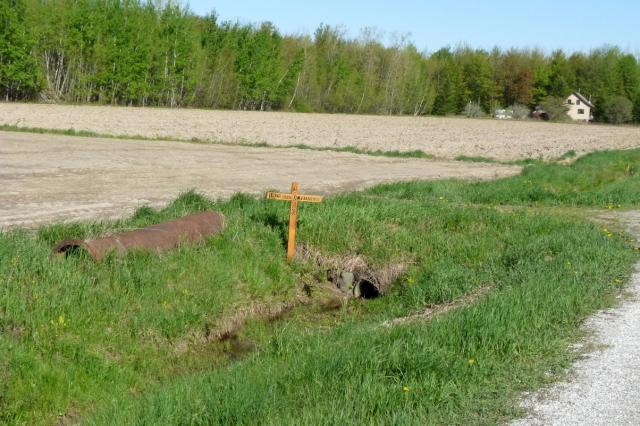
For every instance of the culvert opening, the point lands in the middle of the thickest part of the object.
(351, 273)
(70, 248)
(367, 290)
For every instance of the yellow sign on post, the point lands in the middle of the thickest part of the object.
(294, 196)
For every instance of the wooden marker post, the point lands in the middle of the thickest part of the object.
(293, 197)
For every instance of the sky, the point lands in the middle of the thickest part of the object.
(570, 25)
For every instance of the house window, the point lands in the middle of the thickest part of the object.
(569, 101)
(577, 101)
(581, 111)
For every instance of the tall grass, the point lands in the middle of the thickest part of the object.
(127, 341)
(465, 367)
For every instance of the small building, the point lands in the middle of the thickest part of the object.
(503, 114)
(579, 107)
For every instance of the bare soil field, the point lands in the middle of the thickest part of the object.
(47, 178)
(442, 137)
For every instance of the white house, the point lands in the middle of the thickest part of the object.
(579, 107)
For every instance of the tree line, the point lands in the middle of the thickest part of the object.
(159, 53)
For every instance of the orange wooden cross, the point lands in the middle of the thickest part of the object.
(293, 197)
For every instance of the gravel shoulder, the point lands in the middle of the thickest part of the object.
(605, 386)
(444, 137)
(47, 178)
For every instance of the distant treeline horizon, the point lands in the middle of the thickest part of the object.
(144, 53)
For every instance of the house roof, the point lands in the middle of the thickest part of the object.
(583, 99)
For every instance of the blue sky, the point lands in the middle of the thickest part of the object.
(568, 24)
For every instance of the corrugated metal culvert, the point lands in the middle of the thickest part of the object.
(156, 238)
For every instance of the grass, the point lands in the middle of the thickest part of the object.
(249, 144)
(40, 130)
(522, 162)
(127, 341)
(607, 179)
(377, 153)
(476, 159)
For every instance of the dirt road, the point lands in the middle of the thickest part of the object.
(45, 178)
(440, 136)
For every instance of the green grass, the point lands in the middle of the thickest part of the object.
(608, 179)
(476, 159)
(376, 153)
(125, 341)
(40, 130)
(522, 162)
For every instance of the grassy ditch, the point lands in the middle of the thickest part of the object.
(607, 179)
(129, 341)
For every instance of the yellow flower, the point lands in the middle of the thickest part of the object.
(411, 280)
(61, 322)
(405, 389)
(472, 361)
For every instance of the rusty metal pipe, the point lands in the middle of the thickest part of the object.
(157, 238)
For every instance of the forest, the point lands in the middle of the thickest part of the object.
(159, 53)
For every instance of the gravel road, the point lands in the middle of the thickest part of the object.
(46, 178)
(606, 386)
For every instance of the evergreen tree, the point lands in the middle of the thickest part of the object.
(629, 76)
(636, 109)
(448, 85)
(560, 82)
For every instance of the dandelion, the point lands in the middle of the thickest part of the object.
(405, 389)
(472, 361)
(60, 322)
